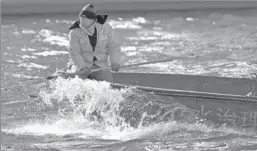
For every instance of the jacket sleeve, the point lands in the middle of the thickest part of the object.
(114, 48)
(75, 50)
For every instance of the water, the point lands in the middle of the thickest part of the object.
(89, 115)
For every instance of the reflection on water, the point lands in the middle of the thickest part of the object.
(35, 46)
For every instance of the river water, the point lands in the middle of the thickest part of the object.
(63, 116)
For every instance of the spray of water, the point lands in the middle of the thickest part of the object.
(111, 110)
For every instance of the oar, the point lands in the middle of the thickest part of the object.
(66, 75)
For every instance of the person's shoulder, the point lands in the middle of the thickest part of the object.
(74, 31)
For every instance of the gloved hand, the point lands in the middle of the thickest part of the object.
(115, 67)
(84, 72)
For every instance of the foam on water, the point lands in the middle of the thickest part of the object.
(28, 49)
(28, 57)
(29, 66)
(134, 24)
(50, 37)
(51, 53)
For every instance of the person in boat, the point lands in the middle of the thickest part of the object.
(92, 41)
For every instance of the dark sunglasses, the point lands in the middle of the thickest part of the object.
(89, 16)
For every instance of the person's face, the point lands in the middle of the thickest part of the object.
(86, 22)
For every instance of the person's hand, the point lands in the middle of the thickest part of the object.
(85, 72)
(115, 67)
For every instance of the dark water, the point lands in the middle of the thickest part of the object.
(60, 118)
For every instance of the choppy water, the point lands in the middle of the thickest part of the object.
(60, 119)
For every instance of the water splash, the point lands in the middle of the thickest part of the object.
(114, 107)
(94, 109)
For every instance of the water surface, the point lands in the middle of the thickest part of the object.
(224, 43)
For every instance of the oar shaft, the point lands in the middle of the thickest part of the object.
(152, 62)
(66, 75)
(142, 63)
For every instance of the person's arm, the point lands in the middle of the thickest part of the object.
(114, 49)
(75, 51)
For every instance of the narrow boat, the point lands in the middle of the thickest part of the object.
(219, 99)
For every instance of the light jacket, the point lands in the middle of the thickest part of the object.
(81, 51)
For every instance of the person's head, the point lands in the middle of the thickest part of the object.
(87, 16)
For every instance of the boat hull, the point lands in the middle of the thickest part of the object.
(234, 110)
(224, 85)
